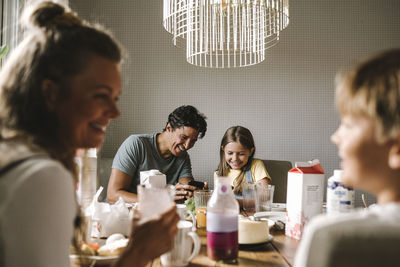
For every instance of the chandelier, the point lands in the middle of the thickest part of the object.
(225, 33)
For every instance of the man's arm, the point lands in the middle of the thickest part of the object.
(118, 185)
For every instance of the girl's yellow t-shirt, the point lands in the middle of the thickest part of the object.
(258, 172)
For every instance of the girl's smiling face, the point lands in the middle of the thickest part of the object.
(236, 155)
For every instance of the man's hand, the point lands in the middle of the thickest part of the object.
(184, 191)
(205, 185)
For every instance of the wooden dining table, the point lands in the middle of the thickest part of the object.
(278, 252)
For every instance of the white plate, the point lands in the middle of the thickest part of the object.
(269, 221)
(92, 260)
(270, 238)
(273, 215)
(278, 206)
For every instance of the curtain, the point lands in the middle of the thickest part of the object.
(11, 33)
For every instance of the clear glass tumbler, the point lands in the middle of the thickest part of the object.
(249, 197)
(201, 198)
(154, 201)
(264, 199)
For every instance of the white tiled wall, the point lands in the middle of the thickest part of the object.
(287, 101)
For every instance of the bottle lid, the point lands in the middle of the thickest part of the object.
(337, 173)
(223, 180)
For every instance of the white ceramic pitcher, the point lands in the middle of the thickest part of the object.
(182, 252)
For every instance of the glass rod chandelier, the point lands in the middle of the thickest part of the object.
(225, 33)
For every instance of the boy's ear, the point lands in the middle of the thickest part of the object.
(50, 93)
(394, 154)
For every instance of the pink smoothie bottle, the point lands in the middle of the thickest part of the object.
(222, 223)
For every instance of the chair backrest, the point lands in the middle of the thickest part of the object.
(278, 170)
(355, 244)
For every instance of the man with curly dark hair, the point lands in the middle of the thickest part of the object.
(166, 152)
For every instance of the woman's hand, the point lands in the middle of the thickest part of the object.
(150, 239)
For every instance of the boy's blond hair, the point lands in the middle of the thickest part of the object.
(372, 89)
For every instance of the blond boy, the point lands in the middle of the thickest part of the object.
(368, 139)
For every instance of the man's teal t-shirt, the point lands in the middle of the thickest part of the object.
(139, 152)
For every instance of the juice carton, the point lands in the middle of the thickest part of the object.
(305, 192)
(153, 177)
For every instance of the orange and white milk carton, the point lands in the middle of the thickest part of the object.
(305, 192)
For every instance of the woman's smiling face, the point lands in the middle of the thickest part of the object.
(91, 104)
(236, 155)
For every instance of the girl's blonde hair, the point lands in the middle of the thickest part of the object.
(372, 89)
(243, 136)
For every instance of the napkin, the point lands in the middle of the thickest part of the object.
(108, 219)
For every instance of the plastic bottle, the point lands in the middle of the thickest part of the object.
(339, 198)
(222, 223)
(87, 178)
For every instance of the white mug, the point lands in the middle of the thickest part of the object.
(182, 252)
(182, 211)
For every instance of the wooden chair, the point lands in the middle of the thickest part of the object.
(278, 170)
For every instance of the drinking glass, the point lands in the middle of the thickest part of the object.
(249, 197)
(153, 200)
(264, 197)
(201, 198)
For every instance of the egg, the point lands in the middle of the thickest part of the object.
(114, 237)
(115, 244)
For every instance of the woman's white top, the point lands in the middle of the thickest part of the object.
(37, 212)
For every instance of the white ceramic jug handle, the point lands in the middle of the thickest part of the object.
(193, 220)
(197, 245)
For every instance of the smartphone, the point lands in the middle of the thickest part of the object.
(197, 184)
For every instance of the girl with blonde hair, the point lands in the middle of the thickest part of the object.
(237, 160)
